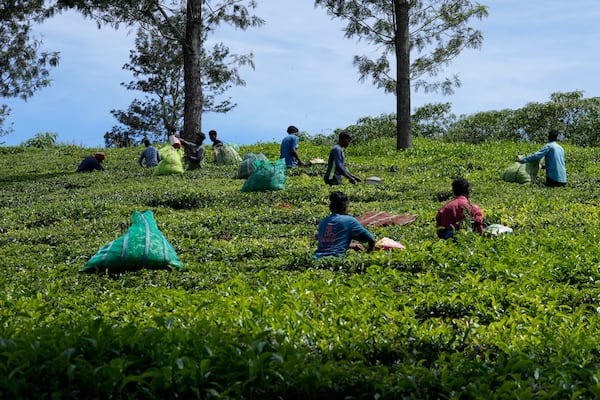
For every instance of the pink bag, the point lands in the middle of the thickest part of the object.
(389, 244)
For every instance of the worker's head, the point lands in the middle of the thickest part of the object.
(338, 203)
(461, 187)
(553, 135)
(199, 138)
(292, 130)
(99, 156)
(344, 139)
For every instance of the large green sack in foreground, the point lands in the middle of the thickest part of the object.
(171, 161)
(521, 173)
(268, 175)
(142, 246)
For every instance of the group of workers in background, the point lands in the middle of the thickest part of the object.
(337, 231)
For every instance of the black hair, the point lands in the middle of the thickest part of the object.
(461, 186)
(200, 136)
(553, 135)
(212, 132)
(338, 201)
(146, 142)
(344, 135)
(292, 129)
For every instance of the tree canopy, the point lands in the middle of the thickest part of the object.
(419, 37)
(201, 18)
(24, 67)
(157, 66)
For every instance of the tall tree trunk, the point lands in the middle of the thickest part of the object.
(402, 42)
(192, 113)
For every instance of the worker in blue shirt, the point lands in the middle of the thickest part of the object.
(336, 164)
(150, 155)
(92, 163)
(289, 148)
(336, 231)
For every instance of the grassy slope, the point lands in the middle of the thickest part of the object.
(253, 315)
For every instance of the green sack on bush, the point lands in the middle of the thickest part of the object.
(171, 161)
(235, 146)
(226, 155)
(268, 175)
(142, 246)
(521, 173)
(247, 166)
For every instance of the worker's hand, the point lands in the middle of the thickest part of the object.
(357, 246)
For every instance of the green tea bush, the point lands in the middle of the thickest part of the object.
(252, 314)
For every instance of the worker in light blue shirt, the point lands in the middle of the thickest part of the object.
(554, 154)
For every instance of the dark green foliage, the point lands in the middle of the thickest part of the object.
(157, 64)
(483, 126)
(575, 117)
(253, 315)
(432, 120)
(369, 128)
(24, 69)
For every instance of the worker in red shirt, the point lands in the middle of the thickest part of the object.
(450, 217)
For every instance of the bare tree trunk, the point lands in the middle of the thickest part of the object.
(402, 42)
(192, 113)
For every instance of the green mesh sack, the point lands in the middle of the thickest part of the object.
(171, 161)
(226, 155)
(521, 173)
(142, 246)
(247, 166)
(268, 175)
(235, 146)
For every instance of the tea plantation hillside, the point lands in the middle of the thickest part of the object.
(252, 315)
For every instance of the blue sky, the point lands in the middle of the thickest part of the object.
(304, 74)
